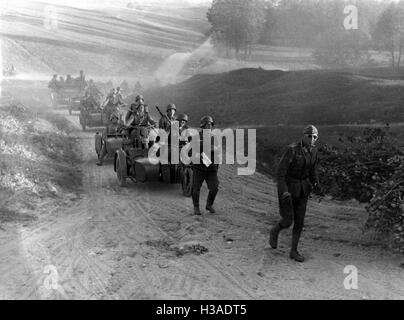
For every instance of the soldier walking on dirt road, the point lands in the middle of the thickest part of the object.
(166, 120)
(296, 178)
(205, 172)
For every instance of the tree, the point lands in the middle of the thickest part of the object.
(337, 48)
(389, 32)
(237, 23)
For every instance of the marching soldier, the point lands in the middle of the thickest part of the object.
(114, 127)
(165, 122)
(296, 178)
(182, 122)
(183, 125)
(205, 171)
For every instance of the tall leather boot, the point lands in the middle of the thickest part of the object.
(294, 254)
(209, 202)
(102, 155)
(195, 200)
(273, 235)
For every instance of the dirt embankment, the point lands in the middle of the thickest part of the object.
(38, 162)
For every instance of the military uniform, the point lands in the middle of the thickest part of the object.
(296, 178)
(182, 129)
(165, 122)
(182, 118)
(142, 123)
(109, 106)
(202, 173)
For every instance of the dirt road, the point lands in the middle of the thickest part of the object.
(141, 242)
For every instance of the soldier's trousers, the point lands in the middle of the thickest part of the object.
(212, 181)
(103, 153)
(293, 211)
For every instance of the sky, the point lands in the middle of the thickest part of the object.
(104, 3)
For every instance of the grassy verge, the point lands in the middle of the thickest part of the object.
(38, 162)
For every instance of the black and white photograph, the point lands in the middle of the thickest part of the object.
(201, 150)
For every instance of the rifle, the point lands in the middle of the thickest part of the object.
(163, 115)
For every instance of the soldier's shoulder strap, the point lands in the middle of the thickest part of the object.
(293, 147)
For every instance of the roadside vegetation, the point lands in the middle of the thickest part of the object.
(38, 161)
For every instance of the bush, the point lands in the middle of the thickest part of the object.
(386, 208)
(370, 169)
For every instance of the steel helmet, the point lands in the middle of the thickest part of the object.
(171, 106)
(138, 97)
(182, 116)
(310, 129)
(205, 120)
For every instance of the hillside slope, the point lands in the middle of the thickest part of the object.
(260, 97)
(104, 42)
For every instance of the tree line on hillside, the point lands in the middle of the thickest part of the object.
(238, 25)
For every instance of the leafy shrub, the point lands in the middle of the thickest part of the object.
(370, 168)
(386, 208)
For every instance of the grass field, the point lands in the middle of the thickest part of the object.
(256, 97)
(113, 41)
